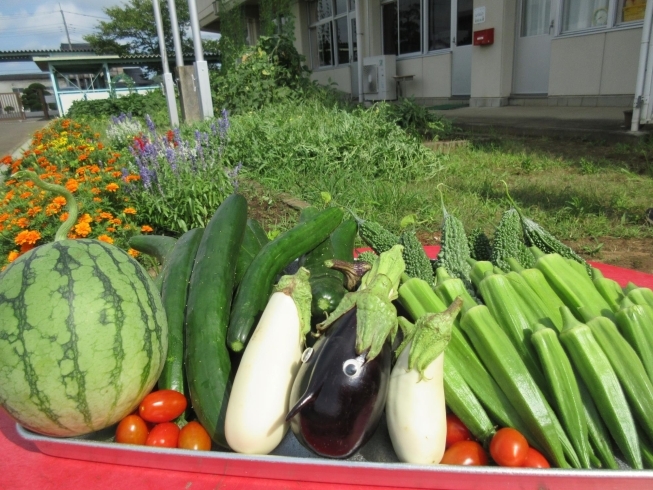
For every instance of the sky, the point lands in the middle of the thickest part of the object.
(38, 24)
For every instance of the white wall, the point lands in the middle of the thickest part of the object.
(341, 76)
(598, 64)
(432, 76)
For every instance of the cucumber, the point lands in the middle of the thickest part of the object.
(253, 241)
(175, 276)
(343, 239)
(208, 366)
(256, 286)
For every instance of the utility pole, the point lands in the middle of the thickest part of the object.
(70, 45)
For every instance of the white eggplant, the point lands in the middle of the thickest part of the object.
(415, 409)
(259, 400)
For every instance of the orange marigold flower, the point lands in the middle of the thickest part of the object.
(82, 157)
(33, 211)
(116, 221)
(4, 217)
(72, 185)
(29, 183)
(105, 238)
(97, 199)
(51, 209)
(25, 247)
(131, 177)
(94, 169)
(146, 229)
(95, 190)
(29, 237)
(111, 161)
(83, 229)
(133, 253)
(59, 201)
(116, 174)
(100, 146)
(63, 217)
(86, 218)
(13, 255)
(129, 211)
(81, 170)
(112, 187)
(25, 195)
(105, 215)
(22, 222)
(111, 229)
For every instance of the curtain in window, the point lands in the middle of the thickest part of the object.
(583, 14)
(536, 16)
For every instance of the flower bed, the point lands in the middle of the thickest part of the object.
(69, 154)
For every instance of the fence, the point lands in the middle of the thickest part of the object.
(10, 106)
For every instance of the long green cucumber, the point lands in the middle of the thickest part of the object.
(343, 239)
(254, 240)
(208, 366)
(175, 276)
(254, 290)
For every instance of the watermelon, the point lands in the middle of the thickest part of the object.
(83, 337)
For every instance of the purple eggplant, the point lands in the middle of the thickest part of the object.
(338, 397)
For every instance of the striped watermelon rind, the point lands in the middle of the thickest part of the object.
(83, 337)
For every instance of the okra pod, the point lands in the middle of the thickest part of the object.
(629, 370)
(562, 383)
(641, 296)
(599, 377)
(462, 402)
(636, 325)
(449, 288)
(504, 363)
(608, 288)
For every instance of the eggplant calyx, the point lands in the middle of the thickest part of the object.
(353, 271)
(376, 316)
(299, 289)
(429, 336)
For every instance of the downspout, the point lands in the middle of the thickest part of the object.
(176, 39)
(168, 84)
(642, 68)
(359, 45)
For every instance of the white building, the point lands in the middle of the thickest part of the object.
(548, 52)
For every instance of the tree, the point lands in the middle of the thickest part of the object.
(132, 31)
(31, 98)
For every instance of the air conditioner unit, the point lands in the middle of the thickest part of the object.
(378, 81)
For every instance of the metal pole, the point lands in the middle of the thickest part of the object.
(640, 96)
(201, 67)
(168, 83)
(70, 45)
(359, 48)
(176, 39)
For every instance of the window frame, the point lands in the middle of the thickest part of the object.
(614, 20)
(350, 15)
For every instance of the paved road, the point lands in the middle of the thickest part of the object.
(13, 134)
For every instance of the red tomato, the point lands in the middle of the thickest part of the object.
(456, 431)
(534, 459)
(508, 447)
(163, 435)
(467, 453)
(193, 436)
(132, 430)
(162, 406)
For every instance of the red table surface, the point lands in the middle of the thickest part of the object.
(22, 465)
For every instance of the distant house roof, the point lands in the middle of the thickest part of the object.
(25, 76)
(75, 47)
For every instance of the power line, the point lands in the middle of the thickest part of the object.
(87, 15)
(28, 15)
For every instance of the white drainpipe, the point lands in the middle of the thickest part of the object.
(642, 68)
(359, 46)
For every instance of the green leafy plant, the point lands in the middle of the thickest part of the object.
(138, 105)
(182, 181)
(417, 120)
(31, 99)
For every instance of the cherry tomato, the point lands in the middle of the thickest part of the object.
(534, 459)
(508, 447)
(132, 430)
(456, 431)
(165, 434)
(162, 406)
(467, 453)
(194, 436)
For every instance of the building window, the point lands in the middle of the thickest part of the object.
(402, 27)
(329, 32)
(464, 22)
(439, 24)
(535, 17)
(631, 10)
